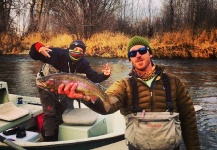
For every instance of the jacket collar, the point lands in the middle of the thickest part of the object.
(159, 71)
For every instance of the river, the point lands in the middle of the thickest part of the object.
(200, 76)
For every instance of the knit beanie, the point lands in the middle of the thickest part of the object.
(77, 43)
(138, 40)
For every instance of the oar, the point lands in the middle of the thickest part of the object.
(11, 143)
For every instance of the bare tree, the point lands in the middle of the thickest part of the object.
(5, 10)
(85, 17)
(123, 23)
(45, 19)
(35, 15)
(150, 26)
(168, 15)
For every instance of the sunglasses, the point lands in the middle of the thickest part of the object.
(142, 50)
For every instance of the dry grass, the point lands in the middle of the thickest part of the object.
(184, 44)
(108, 44)
(172, 38)
(9, 43)
(104, 44)
(49, 39)
(203, 40)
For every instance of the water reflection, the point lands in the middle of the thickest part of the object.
(207, 121)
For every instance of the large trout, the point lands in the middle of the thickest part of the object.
(85, 86)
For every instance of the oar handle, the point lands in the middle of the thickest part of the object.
(10, 143)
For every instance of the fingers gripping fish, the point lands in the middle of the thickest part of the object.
(85, 86)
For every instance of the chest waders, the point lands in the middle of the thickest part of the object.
(153, 130)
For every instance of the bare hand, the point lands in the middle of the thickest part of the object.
(69, 90)
(107, 70)
(44, 51)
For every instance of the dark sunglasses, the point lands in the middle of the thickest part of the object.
(142, 50)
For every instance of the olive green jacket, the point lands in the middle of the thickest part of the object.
(153, 99)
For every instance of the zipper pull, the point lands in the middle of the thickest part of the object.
(143, 113)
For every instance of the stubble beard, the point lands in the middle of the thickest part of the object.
(142, 65)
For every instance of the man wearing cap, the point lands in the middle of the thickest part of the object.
(148, 90)
(69, 60)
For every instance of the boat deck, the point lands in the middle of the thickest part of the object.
(34, 111)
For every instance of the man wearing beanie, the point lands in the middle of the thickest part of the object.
(158, 109)
(69, 60)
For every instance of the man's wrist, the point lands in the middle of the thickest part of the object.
(38, 46)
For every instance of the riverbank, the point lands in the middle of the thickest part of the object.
(107, 44)
(180, 51)
(185, 51)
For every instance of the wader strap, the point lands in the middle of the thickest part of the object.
(135, 108)
(168, 93)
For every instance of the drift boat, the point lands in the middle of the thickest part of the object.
(17, 110)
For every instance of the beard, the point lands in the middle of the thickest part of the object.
(141, 64)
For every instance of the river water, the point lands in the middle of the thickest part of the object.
(200, 76)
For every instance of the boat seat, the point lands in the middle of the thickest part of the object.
(72, 132)
(10, 112)
(79, 116)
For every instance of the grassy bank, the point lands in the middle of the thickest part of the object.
(107, 44)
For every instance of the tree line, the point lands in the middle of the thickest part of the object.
(87, 17)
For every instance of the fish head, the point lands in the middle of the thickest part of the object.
(46, 83)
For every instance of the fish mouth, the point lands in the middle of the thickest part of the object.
(40, 84)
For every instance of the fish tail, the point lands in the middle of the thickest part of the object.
(107, 106)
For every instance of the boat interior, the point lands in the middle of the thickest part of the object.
(17, 110)
(80, 129)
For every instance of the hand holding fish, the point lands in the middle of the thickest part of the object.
(44, 51)
(69, 90)
(107, 70)
(72, 85)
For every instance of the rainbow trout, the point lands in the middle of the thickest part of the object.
(85, 86)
